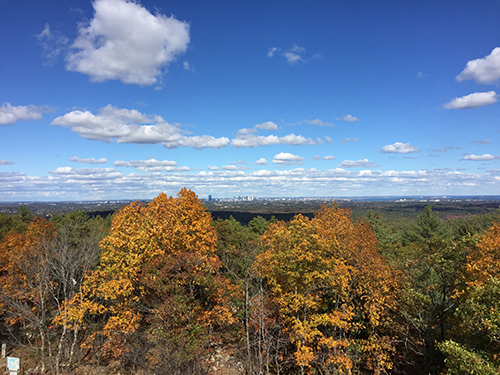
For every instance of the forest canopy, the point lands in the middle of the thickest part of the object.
(162, 288)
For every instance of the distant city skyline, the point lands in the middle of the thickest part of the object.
(117, 99)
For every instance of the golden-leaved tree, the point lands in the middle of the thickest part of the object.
(334, 292)
(475, 348)
(159, 275)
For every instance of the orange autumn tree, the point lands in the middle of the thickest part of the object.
(334, 292)
(26, 287)
(483, 261)
(158, 274)
(475, 344)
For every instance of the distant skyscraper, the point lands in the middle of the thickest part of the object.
(209, 198)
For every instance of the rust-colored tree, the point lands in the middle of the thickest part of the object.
(39, 269)
(334, 292)
(158, 276)
(26, 286)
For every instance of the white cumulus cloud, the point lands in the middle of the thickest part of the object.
(124, 41)
(483, 71)
(248, 138)
(286, 158)
(399, 148)
(132, 126)
(261, 161)
(474, 100)
(483, 157)
(251, 140)
(357, 164)
(88, 161)
(11, 114)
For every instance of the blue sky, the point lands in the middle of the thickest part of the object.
(114, 99)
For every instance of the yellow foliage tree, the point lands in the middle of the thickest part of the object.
(483, 261)
(158, 269)
(334, 291)
(475, 348)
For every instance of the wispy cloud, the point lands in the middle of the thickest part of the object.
(481, 141)
(350, 118)
(272, 51)
(54, 44)
(327, 157)
(232, 167)
(292, 58)
(6, 162)
(152, 165)
(318, 122)
(348, 140)
(268, 125)
(357, 164)
(88, 161)
(446, 148)
(293, 55)
(87, 173)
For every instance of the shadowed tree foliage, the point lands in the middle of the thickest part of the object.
(427, 226)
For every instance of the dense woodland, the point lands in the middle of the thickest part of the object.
(162, 288)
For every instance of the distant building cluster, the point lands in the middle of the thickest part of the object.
(246, 198)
